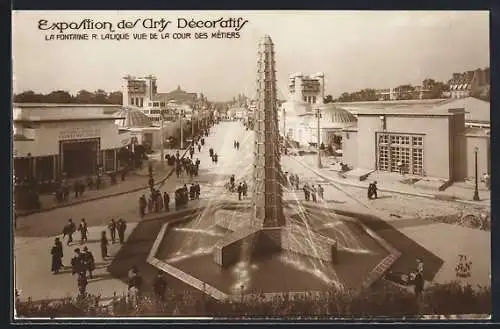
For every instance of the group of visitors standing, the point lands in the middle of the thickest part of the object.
(183, 194)
(188, 165)
(213, 155)
(312, 192)
(293, 180)
(242, 189)
(62, 192)
(83, 262)
(156, 202)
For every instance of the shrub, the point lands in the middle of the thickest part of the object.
(383, 300)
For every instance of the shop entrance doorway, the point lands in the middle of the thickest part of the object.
(79, 157)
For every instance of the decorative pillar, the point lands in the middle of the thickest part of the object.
(115, 162)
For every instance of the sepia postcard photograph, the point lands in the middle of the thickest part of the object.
(251, 165)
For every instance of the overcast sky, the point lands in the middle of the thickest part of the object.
(355, 50)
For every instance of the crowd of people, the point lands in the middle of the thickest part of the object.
(158, 201)
(313, 193)
(83, 262)
(241, 188)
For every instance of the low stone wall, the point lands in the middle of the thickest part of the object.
(229, 250)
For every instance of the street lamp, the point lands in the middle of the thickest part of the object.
(284, 124)
(181, 113)
(476, 192)
(318, 116)
(192, 124)
(162, 155)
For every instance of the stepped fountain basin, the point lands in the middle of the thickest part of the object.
(192, 246)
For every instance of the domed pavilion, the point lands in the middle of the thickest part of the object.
(140, 126)
(133, 118)
(332, 122)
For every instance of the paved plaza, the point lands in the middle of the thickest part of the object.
(438, 244)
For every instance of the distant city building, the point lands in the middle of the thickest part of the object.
(392, 94)
(308, 89)
(467, 83)
(386, 94)
(306, 92)
(143, 94)
(138, 92)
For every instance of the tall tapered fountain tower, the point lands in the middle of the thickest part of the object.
(266, 230)
(267, 191)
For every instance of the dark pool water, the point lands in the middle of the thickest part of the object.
(189, 247)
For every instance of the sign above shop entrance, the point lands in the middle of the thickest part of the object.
(79, 132)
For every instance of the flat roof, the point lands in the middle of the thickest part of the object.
(32, 112)
(58, 119)
(414, 111)
(476, 110)
(395, 103)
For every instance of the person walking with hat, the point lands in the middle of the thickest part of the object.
(104, 245)
(121, 226)
(88, 261)
(78, 268)
(57, 256)
(84, 230)
(68, 230)
(112, 230)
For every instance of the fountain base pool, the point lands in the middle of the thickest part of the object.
(187, 249)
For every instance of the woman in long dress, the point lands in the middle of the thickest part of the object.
(56, 253)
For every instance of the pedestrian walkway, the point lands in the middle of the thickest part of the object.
(392, 183)
(134, 181)
(33, 277)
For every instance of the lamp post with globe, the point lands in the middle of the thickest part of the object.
(476, 191)
(318, 116)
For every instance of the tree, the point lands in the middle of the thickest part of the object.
(59, 96)
(100, 97)
(345, 97)
(84, 97)
(433, 89)
(28, 97)
(368, 95)
(115, 97)
(328, 99)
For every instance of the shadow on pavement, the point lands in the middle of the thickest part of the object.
(135, 253)
(410, 250)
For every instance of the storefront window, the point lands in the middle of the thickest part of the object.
(400, 153)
